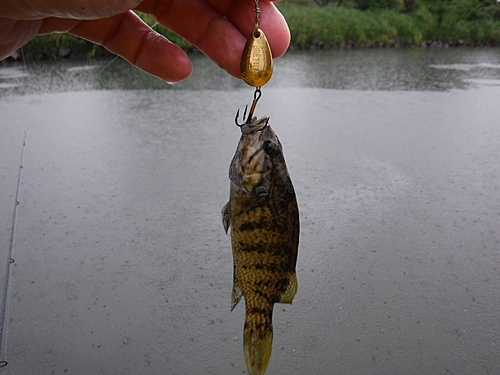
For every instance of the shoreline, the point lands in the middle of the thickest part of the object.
(67, 53)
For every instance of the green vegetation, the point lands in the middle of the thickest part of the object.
(383, 22)
(343, 25)
(322, 23)
(48, 46)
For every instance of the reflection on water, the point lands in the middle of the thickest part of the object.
(122, 265)
(377, 69)
(466, 67)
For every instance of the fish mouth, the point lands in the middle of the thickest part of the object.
(254, 126)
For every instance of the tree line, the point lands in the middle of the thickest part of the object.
(410, 6)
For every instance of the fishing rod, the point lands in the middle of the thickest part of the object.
(10, 260)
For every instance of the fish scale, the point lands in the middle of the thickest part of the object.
(262, 213)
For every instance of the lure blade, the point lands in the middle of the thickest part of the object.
(256, 66)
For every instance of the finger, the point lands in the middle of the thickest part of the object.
(271, 22)
(219, 31)
(15, 34)
(128, 36)
(201, 25)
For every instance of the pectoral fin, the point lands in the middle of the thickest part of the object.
(290, 291)
(226, 216)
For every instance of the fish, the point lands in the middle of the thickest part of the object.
(263, 216)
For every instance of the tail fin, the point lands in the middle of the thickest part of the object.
(257, 346)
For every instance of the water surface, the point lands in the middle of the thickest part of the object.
(121, 262)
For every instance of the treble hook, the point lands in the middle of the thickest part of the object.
(256, 96)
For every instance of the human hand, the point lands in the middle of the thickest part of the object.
(219, 28)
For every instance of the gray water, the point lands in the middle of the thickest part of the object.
(121, 262)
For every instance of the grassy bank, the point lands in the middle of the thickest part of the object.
(382, 23)
(454, 22)
(331, 25)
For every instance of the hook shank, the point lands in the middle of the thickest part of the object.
(256, 96)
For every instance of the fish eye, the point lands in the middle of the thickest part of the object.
(271, 148)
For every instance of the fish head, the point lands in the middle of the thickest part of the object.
(259, 151)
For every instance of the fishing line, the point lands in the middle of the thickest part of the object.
(10, 260)
(105, 66)
(117, 56)
(24, 57)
